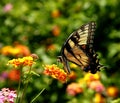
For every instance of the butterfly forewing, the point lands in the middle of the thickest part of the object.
(78, 57)
(78, 48)
(86, 33)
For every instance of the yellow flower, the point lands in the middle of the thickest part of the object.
(91, 77)
(72, 65)
(55, 72)
(7, 50)
(25, 61)
(99, 98)
(28, 61)
(16, 50)
(14, 62)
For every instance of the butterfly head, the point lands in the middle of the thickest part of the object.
(93, 68)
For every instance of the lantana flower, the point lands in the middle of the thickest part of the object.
(25, 61)
(97, 86)
(55, 72)
(93, 82)
(7, 50)
(7, 95)
(74, 89)
(89, 77)
(16, 50)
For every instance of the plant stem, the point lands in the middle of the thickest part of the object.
(19, 85)
(24, 90)
(37, 95)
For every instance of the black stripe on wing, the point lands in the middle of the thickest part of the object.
(70, 51)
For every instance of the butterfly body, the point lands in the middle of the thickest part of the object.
(78, 49)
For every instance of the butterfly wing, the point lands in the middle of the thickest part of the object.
(78, 48)
(77, 56)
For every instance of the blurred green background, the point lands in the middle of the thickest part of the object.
(43, 26)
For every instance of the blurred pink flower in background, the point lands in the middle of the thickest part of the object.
(97, 86)
(74, 89)
(8, 7)
(3, 76)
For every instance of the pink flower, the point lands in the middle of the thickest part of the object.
(1, 97)
(7, 95)
(97, 86)
(3, 76)
(8, 7)
(74, 89)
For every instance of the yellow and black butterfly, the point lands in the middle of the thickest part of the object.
(78, 49)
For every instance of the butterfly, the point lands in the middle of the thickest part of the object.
(78, 49)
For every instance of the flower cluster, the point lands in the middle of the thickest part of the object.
(17, 50)
(74, 89)
(9, 50)
(7, 95)
(93, 82)
(55, 72)
(25, 61)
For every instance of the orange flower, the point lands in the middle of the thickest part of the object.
(24, 50)
(74, 89)
(112, 91)
(14, 75)
(55, 72)
(55, 13)
(51, 47)
(72, 75)
(56, 30)
(25, 61)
